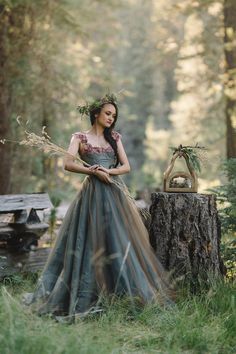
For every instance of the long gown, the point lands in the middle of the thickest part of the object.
(102, 248)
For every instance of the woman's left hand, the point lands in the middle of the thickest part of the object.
(93, 167)
(101, 168)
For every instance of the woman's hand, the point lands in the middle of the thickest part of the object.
(93, 167)
(101, 172)
(101, 168)
(103, 176)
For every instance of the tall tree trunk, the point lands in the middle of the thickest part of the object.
(5, 150)
(230, 58)
(4, 104)
(15, 35)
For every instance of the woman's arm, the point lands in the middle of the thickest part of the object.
(125, 166)
(69, 164)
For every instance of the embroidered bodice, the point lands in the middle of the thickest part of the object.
(87, 147)
(97, 154)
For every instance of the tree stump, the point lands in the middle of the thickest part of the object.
(185, 234)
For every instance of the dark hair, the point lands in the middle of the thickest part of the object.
(107, 131)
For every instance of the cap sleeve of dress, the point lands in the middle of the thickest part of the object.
(80, 136)
(116, 135)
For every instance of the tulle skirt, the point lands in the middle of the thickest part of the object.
(102, 248)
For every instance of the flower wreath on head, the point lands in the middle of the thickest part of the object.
(90, 106)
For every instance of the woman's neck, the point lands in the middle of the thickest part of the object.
(96, 130)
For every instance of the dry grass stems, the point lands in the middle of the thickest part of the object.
(45, 144)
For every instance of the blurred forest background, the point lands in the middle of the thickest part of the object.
(174, 59)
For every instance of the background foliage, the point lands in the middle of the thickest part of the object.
(176, 61)
(168, 56)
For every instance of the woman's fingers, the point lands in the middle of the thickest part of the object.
(102, 169)
(93, 167)
(103, 176)
(108, 180)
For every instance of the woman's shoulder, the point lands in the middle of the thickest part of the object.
(80, 135)
(116, 135)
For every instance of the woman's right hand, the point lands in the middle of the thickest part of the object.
(103, 176)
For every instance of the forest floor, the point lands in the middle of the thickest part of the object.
(203, 323)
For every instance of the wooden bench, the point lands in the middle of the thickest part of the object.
(20, 229)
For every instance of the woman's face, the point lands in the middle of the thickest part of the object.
(107, 115)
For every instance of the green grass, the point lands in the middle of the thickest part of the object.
(204, 323)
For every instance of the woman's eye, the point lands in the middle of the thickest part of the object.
(109, 114)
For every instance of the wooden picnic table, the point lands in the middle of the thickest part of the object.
(20, 229)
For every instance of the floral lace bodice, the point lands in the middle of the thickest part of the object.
(97, 154)
(87, 147)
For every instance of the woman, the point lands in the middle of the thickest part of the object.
(103, 246)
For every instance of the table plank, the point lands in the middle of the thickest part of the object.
(14, 202)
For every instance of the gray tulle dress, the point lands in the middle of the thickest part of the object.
(102, 248)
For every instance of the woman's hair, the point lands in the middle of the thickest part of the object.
(107, 131)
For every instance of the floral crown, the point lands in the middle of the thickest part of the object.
(90, 106)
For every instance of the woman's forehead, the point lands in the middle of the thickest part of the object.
(110, 107)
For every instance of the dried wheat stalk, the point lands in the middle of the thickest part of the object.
(45, 144)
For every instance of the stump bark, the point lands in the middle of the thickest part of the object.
(185, 234)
